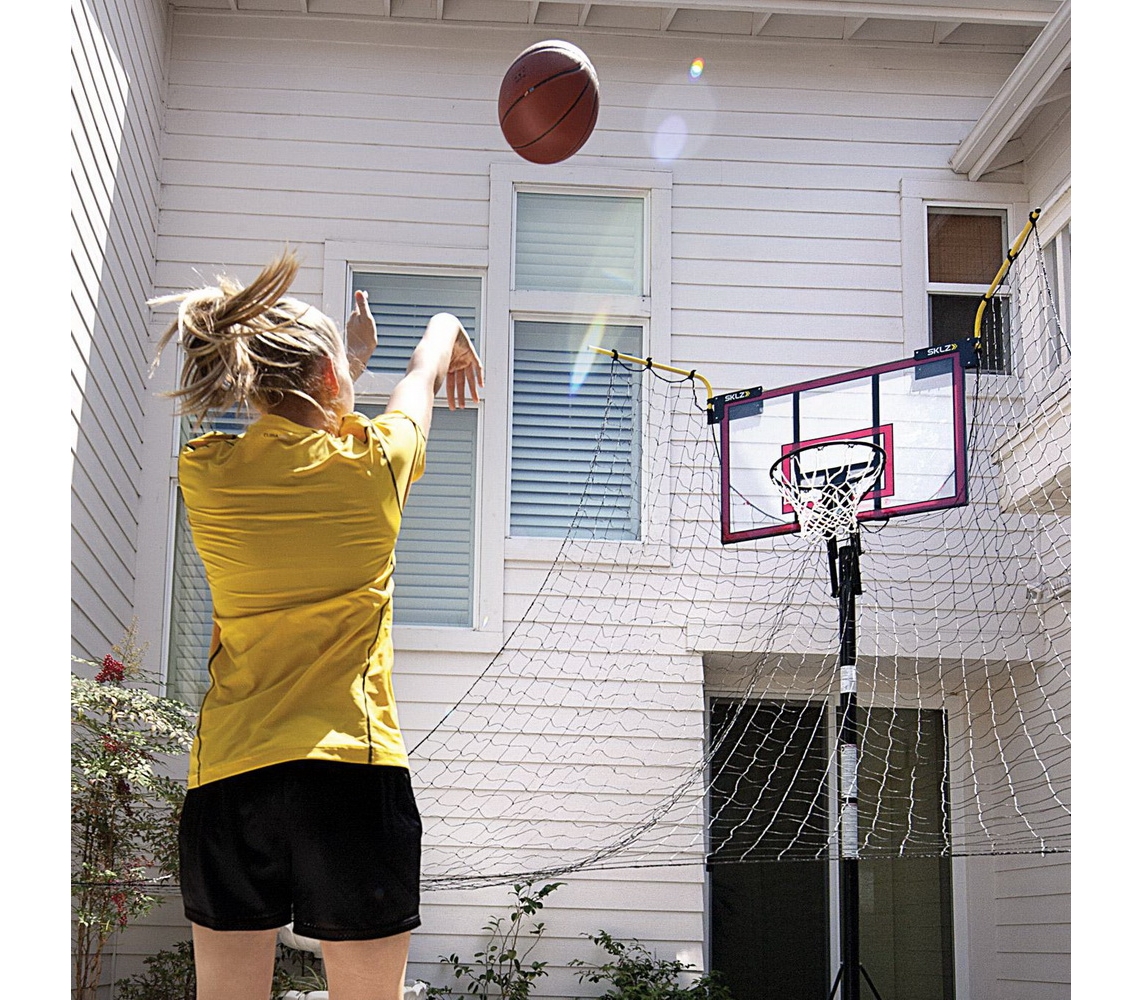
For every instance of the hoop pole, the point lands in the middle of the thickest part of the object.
(849, 586)
(648, 363)
(1013, 253)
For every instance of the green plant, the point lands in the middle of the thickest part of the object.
(124, 819)
(170, 975)
(635, 973)
(501, 968)
(297, 970)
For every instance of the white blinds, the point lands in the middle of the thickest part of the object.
(436, 550)
(403, 303)
(575, 451)
(580, 243)
(190, 597)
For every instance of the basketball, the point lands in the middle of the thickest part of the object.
(549, 100)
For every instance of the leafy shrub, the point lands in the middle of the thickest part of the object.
(501, 969)
(124, 811)
(635, 973)
(170, 975)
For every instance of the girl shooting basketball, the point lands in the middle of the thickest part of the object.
(300, 805)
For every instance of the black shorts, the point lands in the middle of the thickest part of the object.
(334, 847)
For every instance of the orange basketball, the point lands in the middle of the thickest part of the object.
(549, 100)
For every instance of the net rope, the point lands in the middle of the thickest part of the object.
(825, 498)
(673, 702)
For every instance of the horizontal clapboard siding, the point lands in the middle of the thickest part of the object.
(118, 54)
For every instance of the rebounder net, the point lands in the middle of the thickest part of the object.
(674, 701)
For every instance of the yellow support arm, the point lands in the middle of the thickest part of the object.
(648, 363)
(1013, 253)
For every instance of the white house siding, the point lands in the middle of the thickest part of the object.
(119, 53)
(786, 244)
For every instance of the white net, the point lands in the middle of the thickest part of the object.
(675, 702)
(824, 484)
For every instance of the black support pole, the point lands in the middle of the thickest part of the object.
(845, 554)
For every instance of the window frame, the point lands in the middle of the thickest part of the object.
(1052, 235)
(650, 310)
(917, 197)
(341, 261)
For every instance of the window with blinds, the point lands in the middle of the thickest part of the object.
(434, 579)
(966, 248)
(576, 427)
(579, 243)
(403, 303)
(191, 610)
(436, 549)
(575, 440)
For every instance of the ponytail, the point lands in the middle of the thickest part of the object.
(247, 346)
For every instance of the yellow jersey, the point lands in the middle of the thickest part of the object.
(296, 529)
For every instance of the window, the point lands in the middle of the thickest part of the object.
(579, 279)
(1058, 261)
(191, 614)
(966, 248)
(436, 550)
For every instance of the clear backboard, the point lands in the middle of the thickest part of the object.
(913, 409)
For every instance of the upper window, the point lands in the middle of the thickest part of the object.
(579, 280)
(966, 248)
(579, 243)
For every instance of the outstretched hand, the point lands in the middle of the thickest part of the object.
(360, 334)
(465, 373)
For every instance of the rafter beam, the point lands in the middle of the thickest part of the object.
(667, 16)
(852, 25)
(584, 10)
(758, 22)
(942, 30)
(1036, 15)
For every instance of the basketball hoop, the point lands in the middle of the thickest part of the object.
(824, 483)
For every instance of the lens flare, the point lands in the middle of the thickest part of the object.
(697, 67)
(585, 357)
(670, 139)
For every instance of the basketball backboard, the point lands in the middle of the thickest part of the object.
(913, 409)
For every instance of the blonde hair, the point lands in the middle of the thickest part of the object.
(248, 346)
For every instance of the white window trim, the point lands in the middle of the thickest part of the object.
(917, 197)
(651, 311)
(1056, 214)
(342, 259)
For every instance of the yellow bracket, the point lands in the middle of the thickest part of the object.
(648, 363)
(1013, 253)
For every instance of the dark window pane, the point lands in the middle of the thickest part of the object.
(953, 317)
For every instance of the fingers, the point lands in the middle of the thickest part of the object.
(361, 302)
(469, 378)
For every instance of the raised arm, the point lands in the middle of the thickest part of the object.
(444, 356)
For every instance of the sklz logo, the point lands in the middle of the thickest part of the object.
(731, 397)
(934, 352)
